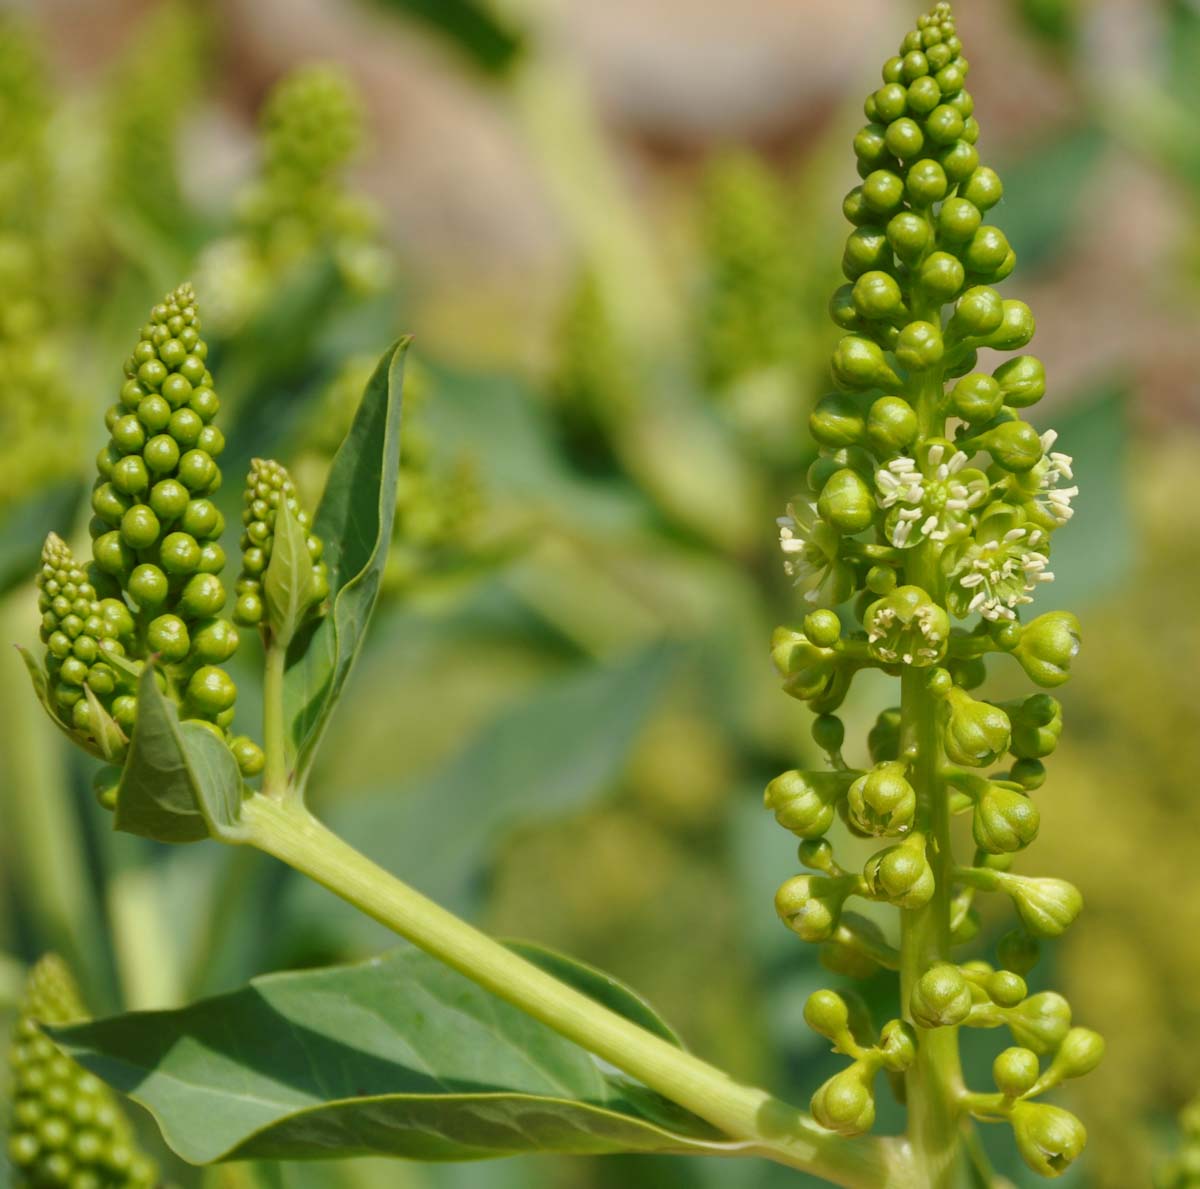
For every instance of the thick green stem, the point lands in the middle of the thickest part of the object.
(756, 1123)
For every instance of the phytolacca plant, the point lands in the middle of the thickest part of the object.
(477, 1049)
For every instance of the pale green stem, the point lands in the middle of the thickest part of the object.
(756, 1123)
(145, 948)
(275, 773)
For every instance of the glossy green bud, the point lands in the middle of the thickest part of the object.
(907, 627)
(1047, 907)
(909, 236)
(866, 248)
(837, 421)
(919, 346)
(1015, 1071)
(941, 997)
(1047, 646)
(983, 188)
(1004, 821)
(897, 1045)
(926, 183)
(825, 1012)
(976, 397)
(877, 296)
(811, 905)
(823, 628)
(1080, 1052)
(808, 669)
(974, 733)
(1015, 445)
(901, 874)
(1005, 988)
(891, 425)
(249, 755)
(211, 690)
(1048, 1137)
(883, 191)
(979, 314)
(858, 363)
(1036, 726)
(805, 802)
(847, 502)
(1041, 1022)
(1022, 381)
(1016, 328)
(844, 1103)
(882, 802)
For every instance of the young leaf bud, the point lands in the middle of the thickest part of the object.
(941, 997)
(845, 1103)
(882, 802)
(974, 733)
(1047, 646)
(1048, 1138)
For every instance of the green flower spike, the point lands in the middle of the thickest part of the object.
(269, 487)
(67, 1131)
(153, 589)
(933, 501)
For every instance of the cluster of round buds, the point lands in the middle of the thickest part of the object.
(1182, 1171)
(932, 501)
(67, 1131)
(87, 641)
(268, 484)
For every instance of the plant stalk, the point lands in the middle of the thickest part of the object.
(757, 1123)
(275, 773)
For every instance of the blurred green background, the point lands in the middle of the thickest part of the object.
(613, 228)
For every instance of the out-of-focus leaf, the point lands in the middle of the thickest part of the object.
(1092, 553)
(546, 756)
(399, 1056)
(355, 523)
(1042, 191)
(471, 27)
(23, 528)
(289, 585)
(1054, 21)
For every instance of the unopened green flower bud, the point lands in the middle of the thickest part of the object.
(978, 314)
(845, 1103)
(1080, 1052)
(1041, 1022)
(805, 802)
(823, 628)
(811, 905)
(907, 627)
(847, 502)
(941, 997)
(1015, 330)
(1004, 821)
(826, 1013)
(891, 424)
(1022, 381)
(859, 364)
(901, 874)
(897, 1045)
(1005, 988)
(976, 398)
(919, 346)
(1014, 1071)
(1036, 726)
(1046, 906)
(1048, 1137)
(1014, 445)
(883, 739)
(882, 802)
(807, 670)
(828, 733)
(1017, 950)
(975, 733)
(1047, 646)
(837, 421)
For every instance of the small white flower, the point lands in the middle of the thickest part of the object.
(994, 577)
(810, 555)
(1054, 469)
(936, 506)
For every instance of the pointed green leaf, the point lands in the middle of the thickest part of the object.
(110, 738)
(288, 584)
(400, 1056)
(355, 523)
(41, 688)
(180, 782)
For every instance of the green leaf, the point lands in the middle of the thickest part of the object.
(548, 756)
(400, 1056)
(23, 528)
(180, 782)
(288, 584)
(470, 27)
(355, 523)
(109, 736)
(41, 688)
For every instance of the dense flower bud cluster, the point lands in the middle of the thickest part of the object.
(153, 588)
(749, 317)
(267, 486)
(933, 502)
(67, 1131)
(311, 127)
